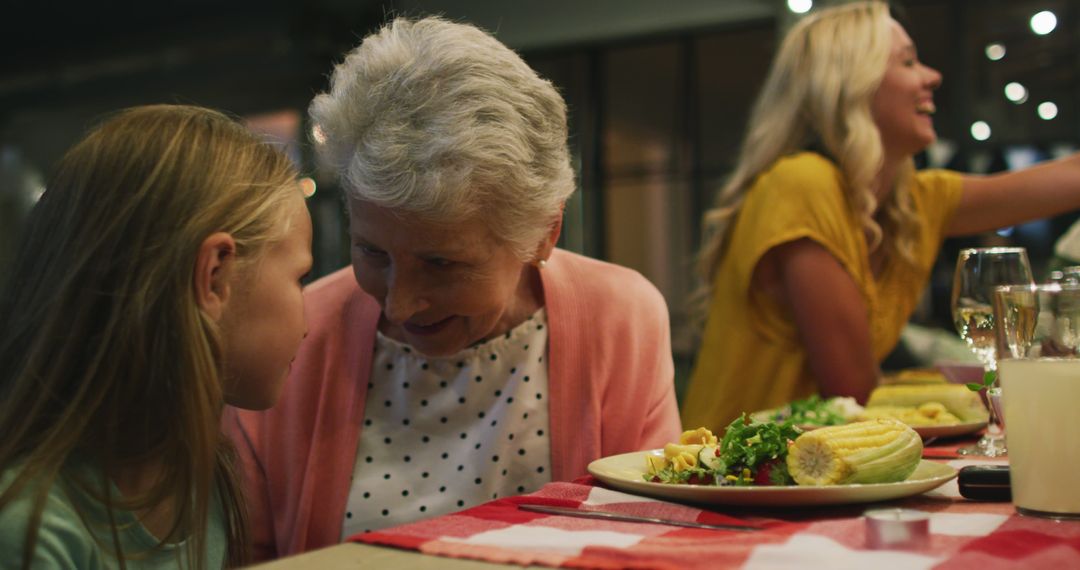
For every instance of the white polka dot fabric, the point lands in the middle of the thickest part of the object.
(443, 434)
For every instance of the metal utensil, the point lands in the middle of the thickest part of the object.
(629, 518)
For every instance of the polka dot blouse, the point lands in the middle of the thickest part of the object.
(443, 434)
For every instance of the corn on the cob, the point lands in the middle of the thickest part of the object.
(875, 451)
(957, 399)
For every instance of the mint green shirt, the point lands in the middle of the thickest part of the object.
(64, 541)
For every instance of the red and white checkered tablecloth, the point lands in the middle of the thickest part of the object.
(964, 534)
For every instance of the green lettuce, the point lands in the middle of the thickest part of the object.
(752, 445)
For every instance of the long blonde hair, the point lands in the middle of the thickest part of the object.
(817, 97)
(106, 359)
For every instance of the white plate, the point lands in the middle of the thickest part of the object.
(949, 430)
(624, 472)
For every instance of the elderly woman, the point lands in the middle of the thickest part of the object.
(824, 236)
(463, 357)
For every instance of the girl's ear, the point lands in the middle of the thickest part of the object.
(215, 264)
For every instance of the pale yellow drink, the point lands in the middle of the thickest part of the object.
(1042, 413)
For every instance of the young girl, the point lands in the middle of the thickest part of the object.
(158, 280)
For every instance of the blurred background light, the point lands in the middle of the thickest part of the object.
(1016, 92)
(800, 6)
(995, 51)
(1043, 22)
(1047, 110)
(307, 186)
(980, 130)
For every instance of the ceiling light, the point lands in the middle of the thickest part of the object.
(800, 6)
(980, 131)
(1047, 110)
(1016, 92)
(1044, 22)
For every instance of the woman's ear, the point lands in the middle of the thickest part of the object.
(548, 245)
(214, 265)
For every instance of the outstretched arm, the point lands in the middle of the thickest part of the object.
(999, 200)
(830, 315)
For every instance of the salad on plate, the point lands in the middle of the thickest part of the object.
(781, 454)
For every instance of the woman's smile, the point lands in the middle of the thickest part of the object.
(427, 330)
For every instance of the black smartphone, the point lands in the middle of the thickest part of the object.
(985, 483)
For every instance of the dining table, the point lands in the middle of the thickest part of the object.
(959, 533)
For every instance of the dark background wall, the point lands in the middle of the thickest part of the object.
(658, 95)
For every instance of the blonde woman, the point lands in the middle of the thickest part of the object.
(158, 279)
(824, 237)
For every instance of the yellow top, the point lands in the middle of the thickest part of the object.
(750, 357)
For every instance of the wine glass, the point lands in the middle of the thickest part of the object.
(978, 272)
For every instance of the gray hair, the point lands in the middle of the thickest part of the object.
(442, 121)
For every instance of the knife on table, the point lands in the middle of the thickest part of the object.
(565, 511)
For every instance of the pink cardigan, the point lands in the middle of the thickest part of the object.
(610, 381)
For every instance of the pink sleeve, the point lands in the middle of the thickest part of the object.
(639, 411)
(255, 490)
(653, 393)
(611, 370)
(661, 421)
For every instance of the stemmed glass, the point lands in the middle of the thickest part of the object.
(978, 272)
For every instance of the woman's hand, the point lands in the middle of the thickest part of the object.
(829, 312)
(1000, 200)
